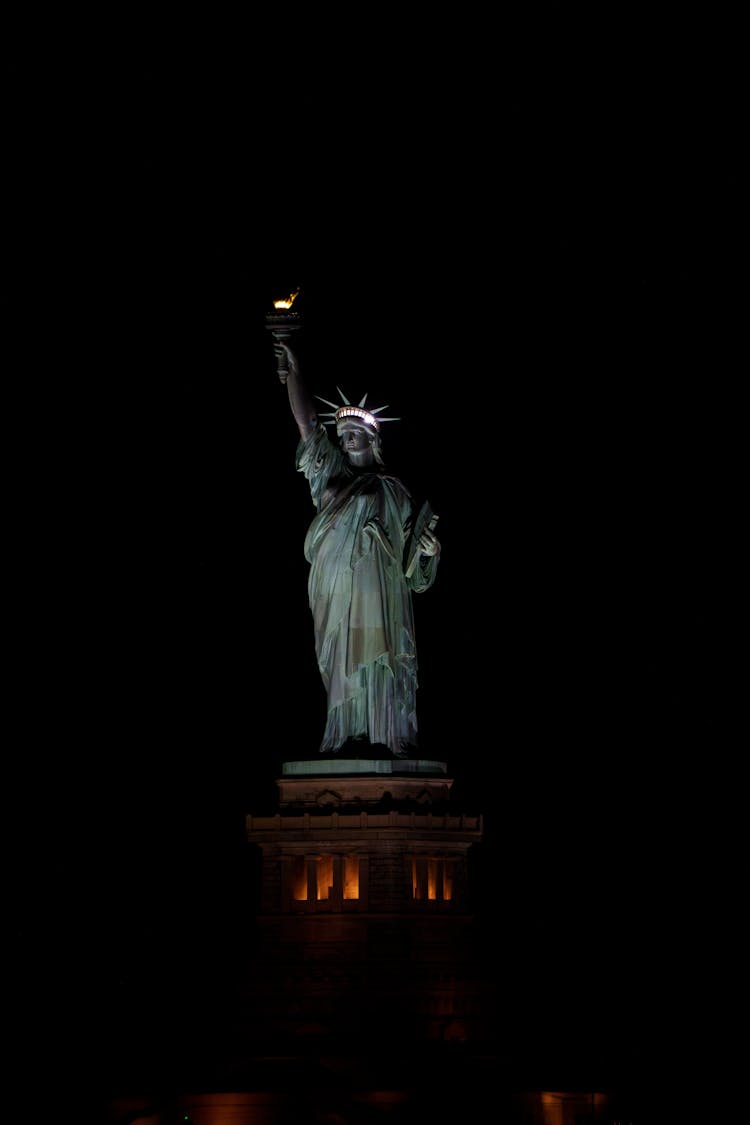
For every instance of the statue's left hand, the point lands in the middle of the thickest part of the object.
(428, 543)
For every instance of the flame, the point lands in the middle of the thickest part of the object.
(286, 302)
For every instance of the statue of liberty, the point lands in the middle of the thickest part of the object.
(369, 550)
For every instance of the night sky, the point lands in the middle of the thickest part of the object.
(540, 280)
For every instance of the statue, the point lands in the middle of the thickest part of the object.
(368, 551)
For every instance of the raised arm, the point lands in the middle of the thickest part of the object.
(300, 399)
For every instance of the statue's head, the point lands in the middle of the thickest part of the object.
(359, 440)
(358, 429)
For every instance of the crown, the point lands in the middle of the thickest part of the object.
(346, 410)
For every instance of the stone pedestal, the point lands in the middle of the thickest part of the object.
(365, 926)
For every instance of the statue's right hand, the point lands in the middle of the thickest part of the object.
(285, 360)
(285, 353)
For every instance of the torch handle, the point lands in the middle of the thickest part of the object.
(281, 332)
(282, 364)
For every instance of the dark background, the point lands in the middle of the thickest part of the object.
(525, 244)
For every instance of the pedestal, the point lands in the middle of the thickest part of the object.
(365, 925)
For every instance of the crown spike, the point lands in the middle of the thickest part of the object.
(335, 405)
(364, 400)
(344, 399)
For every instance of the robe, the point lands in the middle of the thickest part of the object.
(360, 599)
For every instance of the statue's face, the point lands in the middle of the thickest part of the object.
(354, 438)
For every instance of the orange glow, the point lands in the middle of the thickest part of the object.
(351, 876)
(286, 302)
(299, 879)
(559, 1107)
(431, 879)
(325, 876)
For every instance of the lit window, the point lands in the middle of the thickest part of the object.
(351, 876)
(324, 877)
(431, 879)
(299, 878)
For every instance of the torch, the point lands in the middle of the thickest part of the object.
(281, 323)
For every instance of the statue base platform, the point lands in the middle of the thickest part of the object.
(362, 781)
(349, 766)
